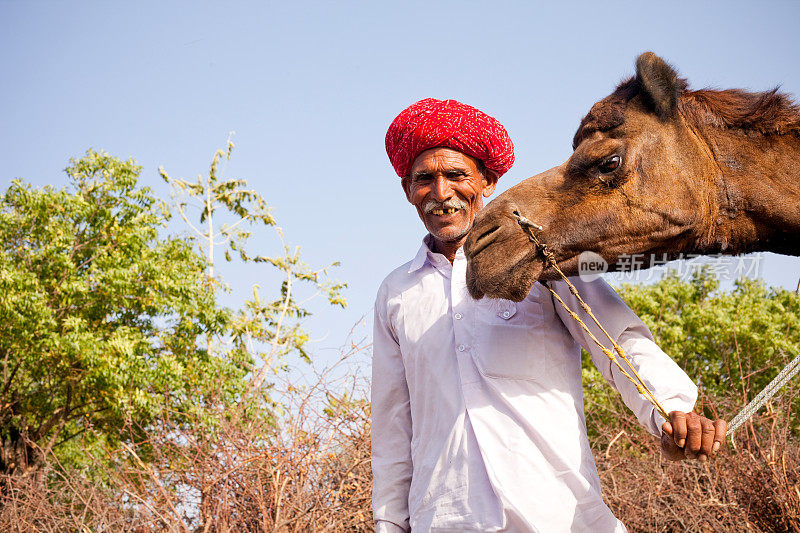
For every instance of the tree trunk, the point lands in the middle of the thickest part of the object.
(19, 458)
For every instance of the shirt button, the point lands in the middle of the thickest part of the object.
(458, 316)
(506, 314)
(461, 347)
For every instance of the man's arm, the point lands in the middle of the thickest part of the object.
(686, 434)
(391, 427)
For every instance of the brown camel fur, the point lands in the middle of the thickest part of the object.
(657, 169)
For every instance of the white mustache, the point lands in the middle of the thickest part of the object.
(453, 203)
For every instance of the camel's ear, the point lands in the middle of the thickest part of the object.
(659, 84)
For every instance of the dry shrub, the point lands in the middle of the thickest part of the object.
(752, 485)
(66, 503)
(301, 465)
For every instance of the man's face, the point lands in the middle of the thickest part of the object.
(447, 188)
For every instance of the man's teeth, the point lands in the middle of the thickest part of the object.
(440, 212)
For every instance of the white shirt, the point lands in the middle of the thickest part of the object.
(477, 406)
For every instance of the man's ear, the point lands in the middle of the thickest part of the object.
(490, 178)
(406, 183)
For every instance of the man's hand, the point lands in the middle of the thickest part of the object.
(691, 436)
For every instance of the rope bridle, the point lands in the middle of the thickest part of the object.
(779, 381)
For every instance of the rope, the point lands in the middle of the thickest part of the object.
(638, 382)
(783, 377)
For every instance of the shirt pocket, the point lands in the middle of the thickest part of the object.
(509, 338)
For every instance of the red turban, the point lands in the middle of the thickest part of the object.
(432, 123)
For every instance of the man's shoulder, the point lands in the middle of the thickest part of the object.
(397, 280)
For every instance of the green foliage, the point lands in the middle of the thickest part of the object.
(99, 315)
(731, 343)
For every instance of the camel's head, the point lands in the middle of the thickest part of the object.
(634, 184)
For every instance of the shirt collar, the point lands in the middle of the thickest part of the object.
(425, 255)
(422, 255)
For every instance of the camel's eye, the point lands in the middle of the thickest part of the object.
(610, 165)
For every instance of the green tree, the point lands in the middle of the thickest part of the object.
(107, 322)
(99, 314)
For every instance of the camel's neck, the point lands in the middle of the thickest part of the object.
(758, 183)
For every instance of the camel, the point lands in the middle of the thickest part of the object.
(657, 169)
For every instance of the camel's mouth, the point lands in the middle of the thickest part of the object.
(499, 266)
(512, 283)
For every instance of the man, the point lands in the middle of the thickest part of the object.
(477, 407)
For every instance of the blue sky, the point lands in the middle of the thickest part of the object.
(310, 88)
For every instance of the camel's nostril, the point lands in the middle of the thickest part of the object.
(486, 234)
(472, 248)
